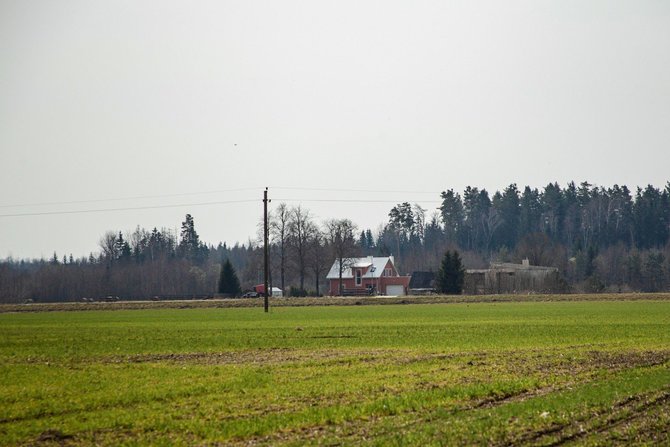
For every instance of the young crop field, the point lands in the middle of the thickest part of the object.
(491, 373)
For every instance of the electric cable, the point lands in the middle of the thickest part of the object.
(218, 202)
(104, 210)
(116, 199)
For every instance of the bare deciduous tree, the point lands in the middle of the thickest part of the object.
(108, 246)
(316, 252)
(279, 221)
(300, 230)
(340, 233)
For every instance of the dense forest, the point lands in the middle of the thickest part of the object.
(601, 239)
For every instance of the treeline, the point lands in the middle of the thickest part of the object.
(601, 239)
(142, 264)
(161, 264)
(577, 217)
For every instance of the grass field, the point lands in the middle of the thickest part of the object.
(494, 373)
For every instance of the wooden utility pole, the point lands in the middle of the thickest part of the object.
(265, 247)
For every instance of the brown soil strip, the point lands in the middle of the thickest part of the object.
(255, 357)
(325, 301)
(522, 362)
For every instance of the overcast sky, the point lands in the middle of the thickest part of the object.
(105, 100)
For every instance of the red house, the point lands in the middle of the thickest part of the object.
(369, 275)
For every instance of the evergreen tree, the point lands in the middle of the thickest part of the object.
(190, 246)
(402, 223)
(553, 212)
(572, 216)
(479, 222)
(441, 281)
(362, 241)
(123, 248)
(451, 274)
(650, 217)
(619, 216)
(228, 282)
(452, 215)
(370, 241)
(508, 208)
(433, 235)
(529, 212)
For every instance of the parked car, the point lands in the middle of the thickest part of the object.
(251, 295)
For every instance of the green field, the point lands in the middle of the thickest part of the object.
(432, 374)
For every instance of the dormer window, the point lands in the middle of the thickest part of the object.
(359, 277)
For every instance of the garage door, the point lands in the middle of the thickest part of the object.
(395, 290)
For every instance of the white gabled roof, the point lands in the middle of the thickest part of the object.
(377, 264)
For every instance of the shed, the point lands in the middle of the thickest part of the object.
(422, 283)
(506, 277)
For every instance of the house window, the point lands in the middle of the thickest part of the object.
(359, 279)
(387, 272)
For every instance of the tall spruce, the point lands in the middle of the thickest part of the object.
(190, 247)
(451, 275)
(229, 284)
(452, 213)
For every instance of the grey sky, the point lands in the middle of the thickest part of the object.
(121, 99)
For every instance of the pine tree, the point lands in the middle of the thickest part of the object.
(362, 241)
(189, 244)
(441, 281)
(452, 212)
(123, 248)
(451, 275)
(369, 239)
(229, 284)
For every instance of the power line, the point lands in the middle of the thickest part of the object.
(105, 210)
(157, 196)
(299, 188)
(220, 202)
(350, 200)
